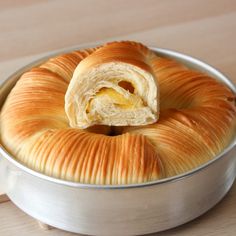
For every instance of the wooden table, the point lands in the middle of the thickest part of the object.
(205, 29)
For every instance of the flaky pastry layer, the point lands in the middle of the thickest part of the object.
(115, 86)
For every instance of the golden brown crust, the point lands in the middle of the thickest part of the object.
(197, 121)
(64, 65)
(197, 118)
(93, 158)
(128, 52)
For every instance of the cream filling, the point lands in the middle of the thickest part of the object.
(119, 100)
(114, 100)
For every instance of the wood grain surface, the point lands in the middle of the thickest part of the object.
(205, 29)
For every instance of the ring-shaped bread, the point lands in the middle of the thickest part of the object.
(197, 121)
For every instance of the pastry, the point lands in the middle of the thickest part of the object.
(192, 122)
(113, 86)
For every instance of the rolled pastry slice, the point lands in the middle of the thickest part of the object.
(114, 86)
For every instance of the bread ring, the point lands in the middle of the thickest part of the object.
(197, 121)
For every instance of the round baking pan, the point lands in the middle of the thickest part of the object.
(119, 209)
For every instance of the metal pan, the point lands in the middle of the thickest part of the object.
(125, 209)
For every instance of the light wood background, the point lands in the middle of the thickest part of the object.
(205, 29)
